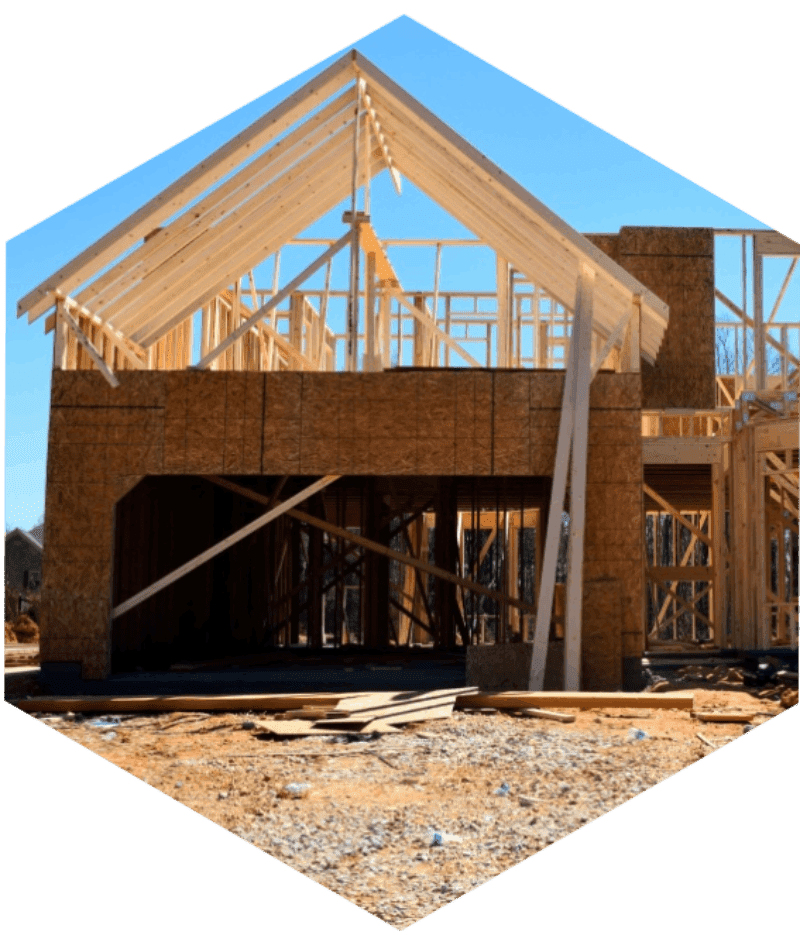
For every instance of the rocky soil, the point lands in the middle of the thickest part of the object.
(403, 823)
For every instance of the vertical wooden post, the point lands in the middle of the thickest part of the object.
(323, 316)
(435, 303)
(503, 313)
(352, 301)
(763, 549)
(759, 343)
(717, 558)
(544, 605)
(577, 511)
(375, 590)
(294, 580)
(419, 334)
(386, 325)
(236, 315)
(61, 339)
(419, 539)
(315, 620)
(446, 557)
(371, 356)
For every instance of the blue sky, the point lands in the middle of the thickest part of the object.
(591, 179)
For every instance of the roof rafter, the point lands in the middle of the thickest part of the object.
(253, 199)
(184, 189)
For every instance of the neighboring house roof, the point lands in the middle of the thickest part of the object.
(243, 202)
(26, 536)
(38, 533)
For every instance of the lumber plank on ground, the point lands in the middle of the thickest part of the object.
(723, 717)
(464, 697)
(113, 704)
(547, 715)
(512, 699)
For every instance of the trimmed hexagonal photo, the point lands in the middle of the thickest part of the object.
(396, 520)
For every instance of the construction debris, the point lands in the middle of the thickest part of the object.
(763, 678)
(546, 715)
(723, 717)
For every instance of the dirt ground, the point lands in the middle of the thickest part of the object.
(403, 823)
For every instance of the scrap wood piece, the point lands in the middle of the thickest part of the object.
(627, 714)
(112, 704)
(290, 728)
(521, 699)
(706, 741)
(546, 715)
(723, 717)
(379, 726)
(305, 713)
(401, 707)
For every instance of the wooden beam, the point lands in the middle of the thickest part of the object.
(577, 510)
(126, 347)
(759, 345)
(613, 339)
(518, 237)
(370, 244)
(274, 301)
(187, 187)
(487, 172)
(376, 129)
(60, 343)
(324, 194)
(733, 307)
(543, 699)
(401, 557)
(681, 572)
(428, 323)
(226, 543)
(688, 606)
(245, 184)
(503, 311)
(217, 244)
(669, 508)
(111, 704)
(558, 492)
(101, 365)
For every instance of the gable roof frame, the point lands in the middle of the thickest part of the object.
(253, 200)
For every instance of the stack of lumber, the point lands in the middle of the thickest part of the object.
(367, 713)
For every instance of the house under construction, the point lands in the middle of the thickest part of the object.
(241, 466)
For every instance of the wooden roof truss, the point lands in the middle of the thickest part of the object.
(208, 230)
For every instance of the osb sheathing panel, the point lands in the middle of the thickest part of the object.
(677, 264)
(436, 423)
(601, 635)
(102, 440)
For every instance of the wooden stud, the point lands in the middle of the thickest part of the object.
(577, 512)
